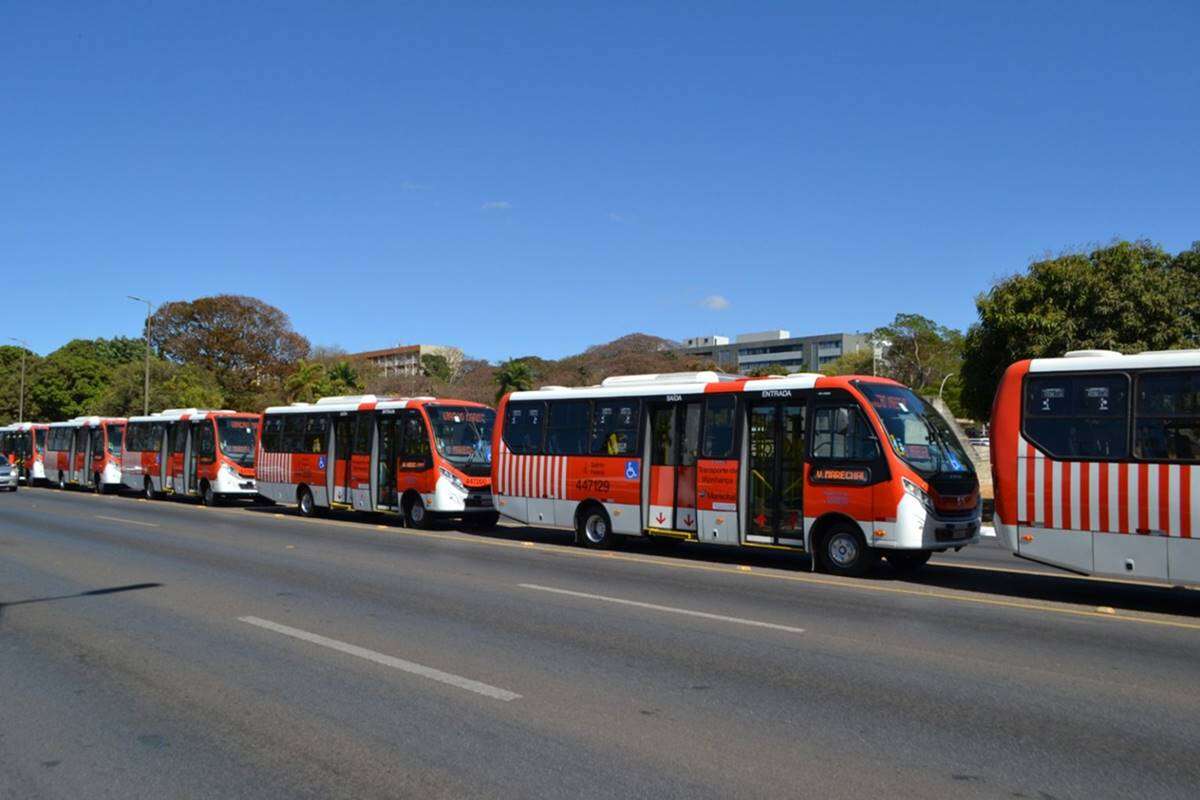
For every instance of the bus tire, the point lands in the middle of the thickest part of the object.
(907, 562)
(415, 513)
(148, 490)
(593, 528)
(305, 503)
(97, 486)
(62, 481)
(208, 496)
(844, 551)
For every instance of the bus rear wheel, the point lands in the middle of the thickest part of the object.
(593, 528)
(305, 503)
(844, 551)
(62, 480)
(908, 561)
(148, 490)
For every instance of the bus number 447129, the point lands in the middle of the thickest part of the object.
(590, 484)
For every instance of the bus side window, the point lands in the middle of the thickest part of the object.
(523, 425)
(567, 424)
(1078, 416)
(1168, 416)
(315, 434)
(293, 433)
(719, 426)
(272, 434)
(662, 437)
(841, 432)
(206, 442)
(362, 433)
(615, 427)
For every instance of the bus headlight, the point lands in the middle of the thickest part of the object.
(919, 493)
(454, 480)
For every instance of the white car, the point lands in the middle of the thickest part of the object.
(9, 476)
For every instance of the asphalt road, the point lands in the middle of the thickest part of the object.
(252, 653)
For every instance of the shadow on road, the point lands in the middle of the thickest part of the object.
(132, 587)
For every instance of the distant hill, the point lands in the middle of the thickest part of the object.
(633, 354)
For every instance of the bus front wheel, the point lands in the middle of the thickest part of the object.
(415, 514)
(844, 551)
(207, 495)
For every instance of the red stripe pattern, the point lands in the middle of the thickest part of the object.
(1107, 497)
(542, 477)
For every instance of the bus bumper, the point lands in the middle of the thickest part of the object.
(231, 484)
(918, 528)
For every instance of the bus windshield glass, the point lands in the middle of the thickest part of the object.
(917, 432)
(238, 438)
(463, 434)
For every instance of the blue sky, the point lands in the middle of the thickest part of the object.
(523, 179)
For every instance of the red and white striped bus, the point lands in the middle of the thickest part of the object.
(193, 453)
(24, 444)
(1096, 462)
(845, 468)
(421, 457)
(85, 451)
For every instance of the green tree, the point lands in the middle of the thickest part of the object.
(171, 386)
(514, 375)
(307, 384)
(72, 380)
(10, 382)
(436, 366)
(1128, 297)
(921, 352)
(247, 344)
(341, 377)
(856, 362)
(767, 370)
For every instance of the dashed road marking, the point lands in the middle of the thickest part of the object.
(448, 678)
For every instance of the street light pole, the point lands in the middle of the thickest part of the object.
(943, 386)
(146, 394)
(24, 349)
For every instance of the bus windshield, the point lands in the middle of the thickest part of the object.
(463, 435)
(917, 432)
(238, 438)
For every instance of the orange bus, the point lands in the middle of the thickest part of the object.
(422, 458)
(24, 444)
(1096, 463)
(85, 451)
(192, 453)
(844, 468)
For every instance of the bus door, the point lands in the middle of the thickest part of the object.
(191, 456)
(359, 478)
(81, 455)
(166, 465)
(384, 453)
(670, 502)
(338, 478)
(775, 471)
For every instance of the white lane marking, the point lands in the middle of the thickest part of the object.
(670, 609)
(388, 661)
(128, 521)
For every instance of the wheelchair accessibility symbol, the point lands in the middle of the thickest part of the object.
(321, 462)
(632, 470)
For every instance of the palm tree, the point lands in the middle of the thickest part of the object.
(307, 383)
(513, 375)
(342, 378)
